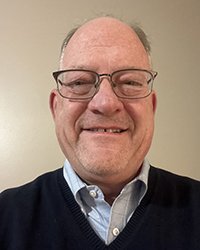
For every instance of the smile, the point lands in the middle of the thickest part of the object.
(105, 130)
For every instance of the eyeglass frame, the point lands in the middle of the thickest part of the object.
(99, 79)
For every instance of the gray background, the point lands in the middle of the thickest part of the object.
(31, 35)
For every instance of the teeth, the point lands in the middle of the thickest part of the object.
(102, 130)
(113, 130)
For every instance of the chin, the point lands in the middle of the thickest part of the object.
(101, 171)
(106, 165)
(104, 161)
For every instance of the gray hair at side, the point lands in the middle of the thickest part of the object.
(135, 27)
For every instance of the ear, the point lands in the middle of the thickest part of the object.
(154, 101)
(53, 101)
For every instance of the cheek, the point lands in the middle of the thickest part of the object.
(68, 116)
(141, 114)
(67, 131)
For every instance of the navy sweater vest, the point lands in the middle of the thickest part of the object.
(43, 215)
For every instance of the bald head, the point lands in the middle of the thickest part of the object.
(105, 31)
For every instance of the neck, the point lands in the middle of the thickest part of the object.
(111, 192)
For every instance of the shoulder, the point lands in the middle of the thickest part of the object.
(167, 176)
(170, 184)
(29, 190)
(27, 209)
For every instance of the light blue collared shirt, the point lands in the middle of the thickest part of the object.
(107, 221)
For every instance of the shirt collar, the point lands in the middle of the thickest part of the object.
(76, 184)
(73, 180)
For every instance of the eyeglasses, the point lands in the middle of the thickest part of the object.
(79, 84)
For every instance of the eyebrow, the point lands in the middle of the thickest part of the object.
(87, 67)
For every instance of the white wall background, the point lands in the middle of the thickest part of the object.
(31, 33)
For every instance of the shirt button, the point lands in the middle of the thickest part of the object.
(115, 231)
(93, 194)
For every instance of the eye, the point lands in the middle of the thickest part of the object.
(133, 83)
(76, 79)
(73, 84)
(130, 79)
(78, 83)
(78, 86)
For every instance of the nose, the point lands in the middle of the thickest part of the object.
(105, 101)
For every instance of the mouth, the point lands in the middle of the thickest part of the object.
(106, 130)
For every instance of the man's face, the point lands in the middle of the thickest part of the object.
(105, 138)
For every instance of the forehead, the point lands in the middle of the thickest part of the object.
(105, 39)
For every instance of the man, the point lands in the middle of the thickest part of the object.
(107, 196)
